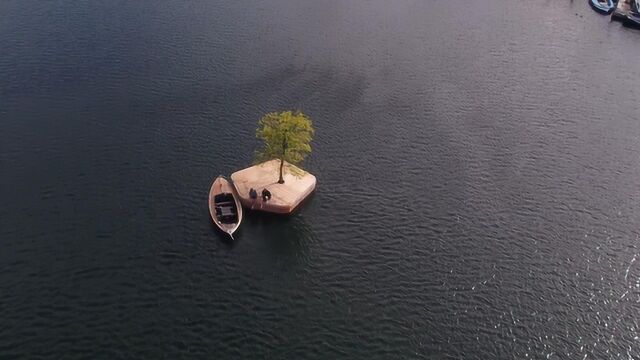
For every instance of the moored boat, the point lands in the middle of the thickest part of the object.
(224, 206)
(604, 7)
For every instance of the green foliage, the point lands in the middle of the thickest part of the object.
(287, 136)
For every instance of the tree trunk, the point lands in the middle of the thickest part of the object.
(281, 180)
(284, 149)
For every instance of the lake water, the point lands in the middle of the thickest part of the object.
(478, 168)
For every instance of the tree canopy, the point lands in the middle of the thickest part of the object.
(287, 136)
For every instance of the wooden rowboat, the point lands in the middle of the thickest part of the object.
(224, 206)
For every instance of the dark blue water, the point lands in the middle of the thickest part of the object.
(478, 180)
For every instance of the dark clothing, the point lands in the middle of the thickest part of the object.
(253, 193)
(266, 195)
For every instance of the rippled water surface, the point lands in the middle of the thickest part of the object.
(478, 169)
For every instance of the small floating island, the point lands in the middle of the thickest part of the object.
(276, 185)
(285, 197)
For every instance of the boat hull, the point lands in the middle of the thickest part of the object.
(224, 206)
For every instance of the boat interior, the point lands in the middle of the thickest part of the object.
(226, 210)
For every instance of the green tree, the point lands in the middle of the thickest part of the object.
(287, 136)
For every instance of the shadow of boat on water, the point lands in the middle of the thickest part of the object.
(283, 236)
(224, 238)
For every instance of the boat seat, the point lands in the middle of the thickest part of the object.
(224, 197)
(229, 219)
(225, 203)
(224, 211)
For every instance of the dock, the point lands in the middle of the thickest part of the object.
(285, 198)
(622, 10)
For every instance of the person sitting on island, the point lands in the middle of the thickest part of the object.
(253, 194)
(266, 195)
